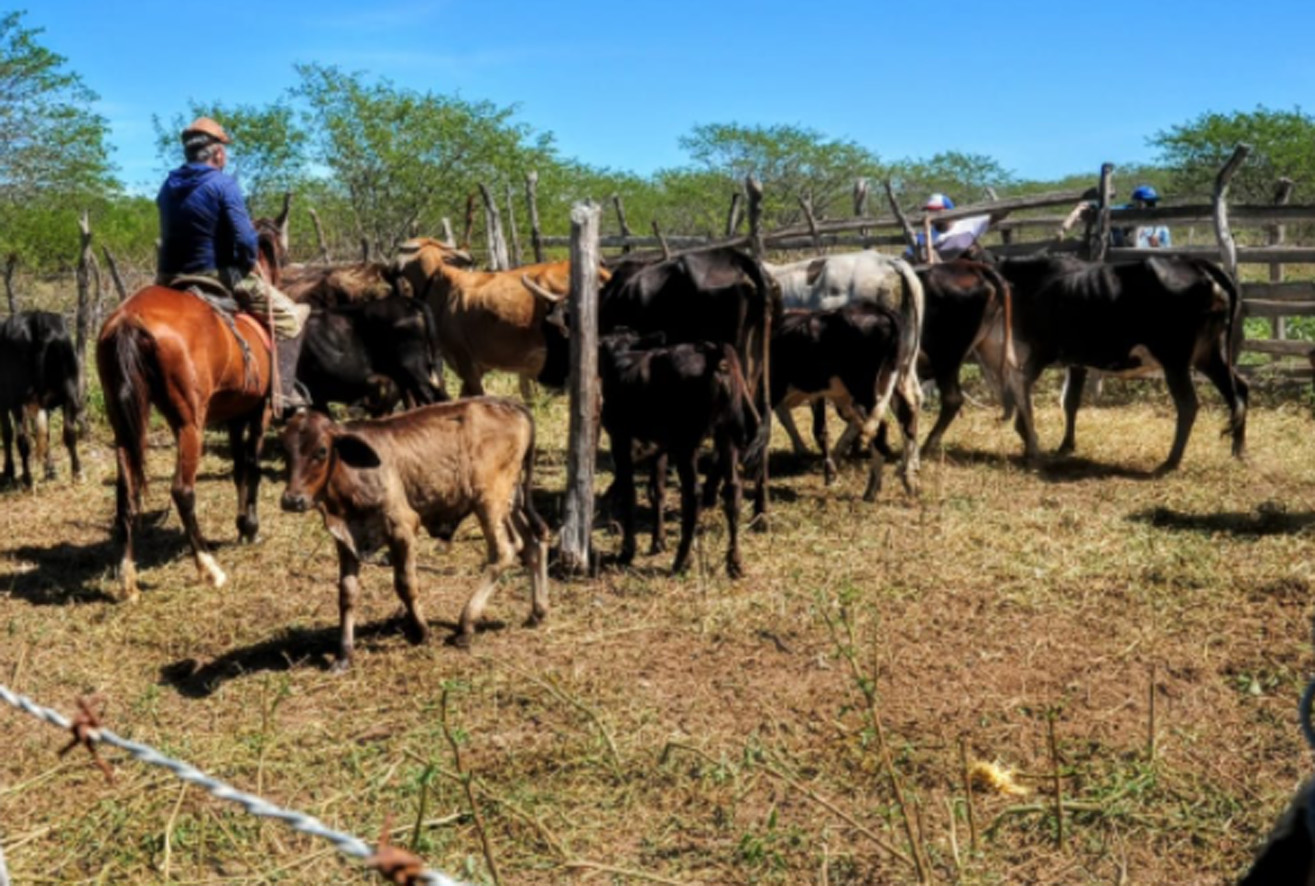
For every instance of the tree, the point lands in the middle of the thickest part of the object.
(1282, 142)
(50, 138)
(963, 177)
(268, 152)
(402, 157)
(791, 162)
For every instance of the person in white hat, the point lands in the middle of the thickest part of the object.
(954, 238)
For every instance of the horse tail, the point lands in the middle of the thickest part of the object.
(1233, 322)
(912, 308)
(1006, 294)
(127, 376)
(759, 386)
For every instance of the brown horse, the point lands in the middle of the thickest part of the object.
(173, 350)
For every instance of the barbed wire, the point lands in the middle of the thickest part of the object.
(394, 864)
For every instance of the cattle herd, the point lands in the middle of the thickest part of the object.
(700, 347)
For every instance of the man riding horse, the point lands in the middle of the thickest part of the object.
(205, 231)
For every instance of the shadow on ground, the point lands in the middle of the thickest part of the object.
(1268, 518)
(74, 573)
(292, 649)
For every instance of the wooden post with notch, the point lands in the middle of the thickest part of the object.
(621, 220)
(734, 215)
(806, 204)
(470, 222)
(1277, 234)
(449, 239)
(861, 202)
(497, 243)
(909, 236)
(511, 227)
(119, 288)
(1098, 243)
(319, 234)
(1224, 235)
(577, 525)
(82, 319)
(532, 198)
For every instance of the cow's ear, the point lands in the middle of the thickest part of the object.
(355, 452)
(814, 270)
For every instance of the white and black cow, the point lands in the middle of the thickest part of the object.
(836, 280)
(1130, 319)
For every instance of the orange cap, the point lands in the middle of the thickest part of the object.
(206, 126)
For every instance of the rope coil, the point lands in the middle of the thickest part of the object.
(395, 865)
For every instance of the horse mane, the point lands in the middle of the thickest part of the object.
(269, 246)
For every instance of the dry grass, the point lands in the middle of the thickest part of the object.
(695, 730)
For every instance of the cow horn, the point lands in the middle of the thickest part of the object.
(538, 290)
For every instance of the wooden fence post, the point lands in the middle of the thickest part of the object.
(1223, 234)
(11, 265)
(511, 227)
(532, 198)
(319, 234)
(754, 189)
(498, 259)
(621, 220)
(806, 204)
(365, 249)
(1098, 243)
(861, 202)
(449, 239)
(115, 276)
(577, 525)
(909, 237)
(662, 241)
(734, 215)
(1227, 246)
(82, 319)
(1277, 234)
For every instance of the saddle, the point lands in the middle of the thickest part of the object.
(222, 301)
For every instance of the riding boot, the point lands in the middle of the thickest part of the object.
(292, 395)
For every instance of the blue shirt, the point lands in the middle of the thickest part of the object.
(204, 224)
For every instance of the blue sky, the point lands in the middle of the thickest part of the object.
(1046, 88)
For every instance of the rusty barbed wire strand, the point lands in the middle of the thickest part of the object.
(394, 864)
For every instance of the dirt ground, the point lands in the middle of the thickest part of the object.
(695, 729)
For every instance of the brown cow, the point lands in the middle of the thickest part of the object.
(486, 319)
(377, 482)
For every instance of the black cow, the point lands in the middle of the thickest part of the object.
(675, 397)
(1125, 318)
(963, 300)
(373, 351)
(850, 355)
(38, 373)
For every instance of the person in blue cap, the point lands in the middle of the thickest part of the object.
(1149, 236)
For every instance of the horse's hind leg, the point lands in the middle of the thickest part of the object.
(127, 505)
(245, 439)
(184, 496)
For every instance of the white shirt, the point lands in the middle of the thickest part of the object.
(958, 237)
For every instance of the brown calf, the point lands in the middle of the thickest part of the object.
(377, 482)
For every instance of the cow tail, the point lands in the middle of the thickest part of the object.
(768, 315)
(127, 378)
(749, 422)
(1234, 325)
(433, 346)
(1008, 357)
(537, 524)
(911, 310)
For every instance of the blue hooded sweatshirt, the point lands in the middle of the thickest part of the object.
(204, 224)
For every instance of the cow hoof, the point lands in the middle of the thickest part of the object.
(52, 474)
(340, 666)
(657, 547)
(1065, 449)
(734, 569)
(462, 640)
(416, 633)
(1167, 468)
(534, 620)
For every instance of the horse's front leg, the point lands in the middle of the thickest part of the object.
(184, 495)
